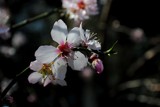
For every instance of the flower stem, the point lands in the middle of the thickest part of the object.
(11, 84)
(110, 50)
(30, 20)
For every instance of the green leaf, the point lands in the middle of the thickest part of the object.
(110, 50)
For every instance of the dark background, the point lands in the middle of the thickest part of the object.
(130, 78)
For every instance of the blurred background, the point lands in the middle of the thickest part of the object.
(130, 78)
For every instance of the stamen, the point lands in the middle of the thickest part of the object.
(92, 36)
(65, 49)
(46, 69)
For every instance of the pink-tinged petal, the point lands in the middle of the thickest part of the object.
(94, 44)
(78, 61)
(59, 68)
(34, 77)
(46, 54)
(47, 80)
(98, 65)
(36, 66)
(59, 32)
(60, 82)
(73, 37)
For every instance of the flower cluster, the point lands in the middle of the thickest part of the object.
(51, 62)
(80, 9)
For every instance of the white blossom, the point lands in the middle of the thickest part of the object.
(89, 40)
(80, 9)
(67, 41)
(47, 73)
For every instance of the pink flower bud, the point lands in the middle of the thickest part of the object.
(93, 56)
(98, 65)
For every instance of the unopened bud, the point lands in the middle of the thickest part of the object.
(98, 65)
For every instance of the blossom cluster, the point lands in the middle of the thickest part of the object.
(80, 9)
(51, 62)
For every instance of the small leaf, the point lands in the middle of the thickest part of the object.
(110, 50)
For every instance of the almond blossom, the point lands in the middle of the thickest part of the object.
(66, 43)
(80, 9)
(48, 73)
(89, 40)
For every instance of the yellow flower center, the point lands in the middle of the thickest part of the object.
(46, 69)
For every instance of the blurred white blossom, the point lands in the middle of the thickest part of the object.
(87, 72)
(32, 98)
(137, 35)
(4, 16)
(18, 40)
(7, 51)
(80, 9)
(4, 28)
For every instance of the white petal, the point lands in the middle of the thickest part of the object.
(59, 32)
(94, 44)
(36, 66)
(46, 54)
(88, 34)
(82, 15)
(78, 61)
(34, 77)
(82, 33)
(67, 3)
(47, 80)
(73, 37)
(59, 68)
(60, 82)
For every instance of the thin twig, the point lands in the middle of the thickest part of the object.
(104, 14)
(30, 20)
(141, 61)
(11, 84)
(107, 52)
